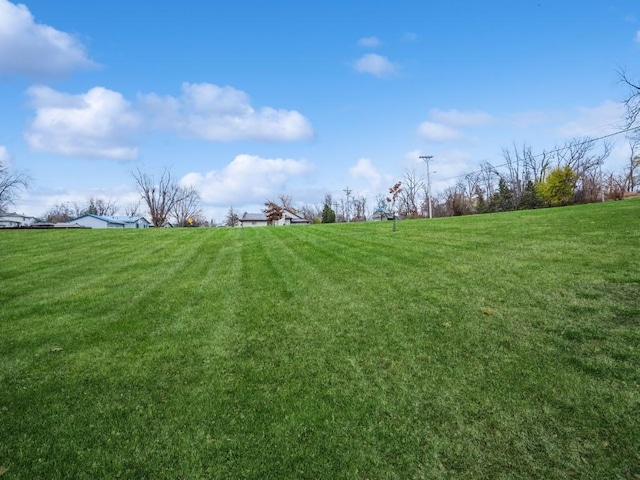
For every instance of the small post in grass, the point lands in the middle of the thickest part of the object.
(394, 192)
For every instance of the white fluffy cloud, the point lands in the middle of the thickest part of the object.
(365, 170)
(102, 123)
(98, 123)
(215, 113)
(368, 181)
(375, 65)
(369, 42)
(33, 49)
(247, 179)
(442, 126)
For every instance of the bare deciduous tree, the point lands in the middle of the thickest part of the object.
(515, 164)
(96, 206)
(584, 158)
(632, 103)
(409, 197)
(633, 182)
(232, 219)
(161, 197)
(286, 201)
(10, 185)
(187, 211)
(131, 210)
(457, 201)
(614, 185)
(359, 208)
(537, 166)
(59, 213)
(311, 213)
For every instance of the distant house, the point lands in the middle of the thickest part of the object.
(134, 222)
(99, 221)
(260, 219)
(254, 220)
(381, 214)
(14, 220)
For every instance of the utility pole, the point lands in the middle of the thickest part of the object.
(348, 192)
(335, 210)
(427, 159)
(601, 182)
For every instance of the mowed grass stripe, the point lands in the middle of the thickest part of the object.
(149, 363)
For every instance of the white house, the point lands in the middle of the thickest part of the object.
(254, 220)
(98, 221)
(260, 219)
(134, 222)
(9, 220)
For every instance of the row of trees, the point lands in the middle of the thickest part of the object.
(64, 212)
(165, 200)
(569, 173)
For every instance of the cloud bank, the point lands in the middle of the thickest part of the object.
(98, 123)
(32, 49)
(210, 112)
(444, 126)
(102, 123)
(247, 179)
(594, 121)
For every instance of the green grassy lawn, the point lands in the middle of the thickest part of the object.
(490, 346)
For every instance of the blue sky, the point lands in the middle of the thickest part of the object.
(247, 100)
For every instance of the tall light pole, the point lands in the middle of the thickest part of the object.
(427, 159)
(348, 192)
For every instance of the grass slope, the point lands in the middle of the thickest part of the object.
(502, 346)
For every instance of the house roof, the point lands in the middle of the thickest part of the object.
(99, 217)
(125, 219)
(120, 220)
(261, 217)
(14, 215)
(292, 215)
(253, 217)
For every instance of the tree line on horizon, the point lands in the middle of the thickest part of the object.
(569, 174)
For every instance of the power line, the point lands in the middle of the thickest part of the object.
(579, 144)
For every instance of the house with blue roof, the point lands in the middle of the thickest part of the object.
(98, 221)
